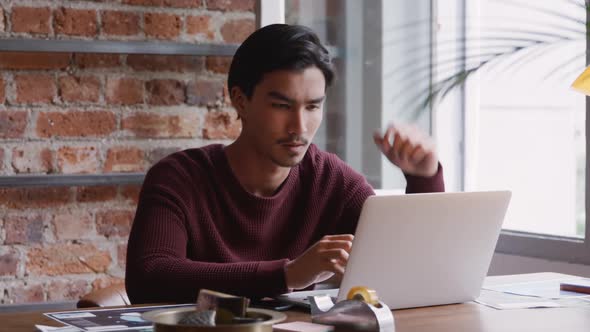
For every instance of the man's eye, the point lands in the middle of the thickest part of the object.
(284, 106)
(313, 107)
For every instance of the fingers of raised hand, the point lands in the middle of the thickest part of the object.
(417, 155)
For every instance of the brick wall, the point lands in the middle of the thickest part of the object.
(99, 113)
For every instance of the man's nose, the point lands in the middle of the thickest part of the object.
(298, 123)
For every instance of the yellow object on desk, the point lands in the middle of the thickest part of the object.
(364, 294)
(582, 83)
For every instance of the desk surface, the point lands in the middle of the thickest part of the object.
(457, 317)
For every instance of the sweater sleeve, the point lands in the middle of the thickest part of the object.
(419, 184)
(158, 269)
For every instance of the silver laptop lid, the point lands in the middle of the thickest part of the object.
(425, 249)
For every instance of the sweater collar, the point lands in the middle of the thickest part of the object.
(230, 178)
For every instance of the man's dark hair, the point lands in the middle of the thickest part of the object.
(277, 47)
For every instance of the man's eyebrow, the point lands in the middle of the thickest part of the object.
(280, 96)
(317, 100)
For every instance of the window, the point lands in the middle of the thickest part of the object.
(526, 129)
(515, 125)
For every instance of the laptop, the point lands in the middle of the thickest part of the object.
(421, 249)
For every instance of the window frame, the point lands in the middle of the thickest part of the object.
(528, 244)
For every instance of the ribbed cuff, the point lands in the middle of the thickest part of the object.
(422, 184)
(270, 277)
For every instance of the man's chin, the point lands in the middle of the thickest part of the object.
(289, 158)
(288, 162)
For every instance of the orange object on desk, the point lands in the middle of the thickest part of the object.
(578, 286)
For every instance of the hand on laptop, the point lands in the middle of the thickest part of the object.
(412, 150)
(320, 262)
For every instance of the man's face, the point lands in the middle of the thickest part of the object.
(283, 114)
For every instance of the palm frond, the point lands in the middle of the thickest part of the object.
(499, 50)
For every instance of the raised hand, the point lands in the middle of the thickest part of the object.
(411, 150)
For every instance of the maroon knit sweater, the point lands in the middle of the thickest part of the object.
(197, 227)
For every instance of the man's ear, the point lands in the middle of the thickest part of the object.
(238, 100)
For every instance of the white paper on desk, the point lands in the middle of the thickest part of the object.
(521, 305)
(548, 289)
(110, 319)
(501, 301)
(45, 328)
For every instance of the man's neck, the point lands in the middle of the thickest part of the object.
(256, 173)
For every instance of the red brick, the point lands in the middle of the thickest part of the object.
(221, 124)
(2, 91)
(174, 63)
(97, 60)
(75, 124)
(32, 159)
(166, 3)
(184, 3)
(23, 229)
(231, 5)
(219, 64)
(75, 22)
(204, 92)
(35, 88)
(165, 92)
(119, 23)
(122, 159)
(106, 281)
(20, 198)
(236, 31)
(31, 19)
(96, 194)
(162, 26)
(114, 223)
(73, 225)
(79, 88)
(124, 91)
(8, 262)
(24, 293)
(131, 192)
(13, 124)
(122, 255)
(153, 125)
(80, 159)
(59, 259)
(33, 60)
(200, 25)
(62, 290)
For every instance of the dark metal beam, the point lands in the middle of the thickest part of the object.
(60, 180)
(123, 47)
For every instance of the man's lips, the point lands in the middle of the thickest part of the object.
(293, 144)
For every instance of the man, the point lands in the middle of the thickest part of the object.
(269, 213)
